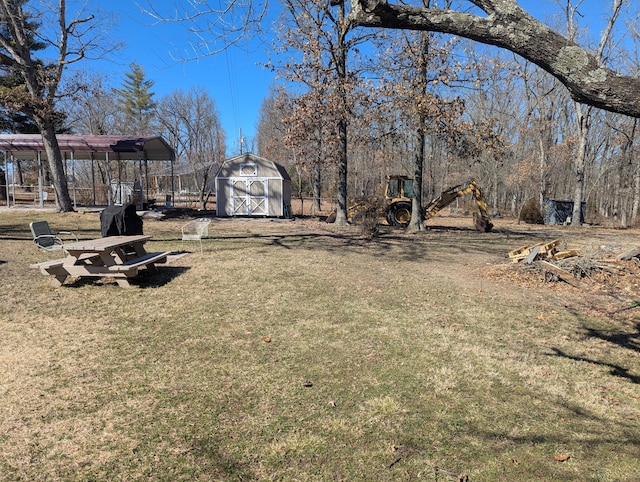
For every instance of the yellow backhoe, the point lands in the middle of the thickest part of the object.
(399, 193)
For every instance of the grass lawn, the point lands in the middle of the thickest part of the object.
(293, 350)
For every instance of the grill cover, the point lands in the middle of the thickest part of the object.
(120, 221)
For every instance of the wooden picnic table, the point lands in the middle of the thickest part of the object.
(118, 257)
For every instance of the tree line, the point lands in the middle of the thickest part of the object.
(413, 92)
(442, 109)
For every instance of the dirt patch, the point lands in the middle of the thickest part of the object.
(593, 281)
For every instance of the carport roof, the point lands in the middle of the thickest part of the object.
(153, 148)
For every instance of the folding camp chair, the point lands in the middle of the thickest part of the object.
(45, 239)
(196, 230)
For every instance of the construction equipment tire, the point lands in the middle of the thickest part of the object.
(399, 214)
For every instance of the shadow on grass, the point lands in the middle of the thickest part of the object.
(326, 241)
(615, 370)
(627, 340)
(163, 276)
(596, 430)
(146, 279)
(630, 341)
(207, 448)
(392, 243)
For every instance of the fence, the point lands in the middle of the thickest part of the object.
(27, 196)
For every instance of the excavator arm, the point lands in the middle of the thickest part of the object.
(481, 221)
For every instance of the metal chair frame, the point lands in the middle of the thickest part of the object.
(196, 230)
(47, 240)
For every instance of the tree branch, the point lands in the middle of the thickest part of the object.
(508, 26)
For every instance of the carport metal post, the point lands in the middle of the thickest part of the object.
(109, 193)
(6, 178)
(73, 175)
(39, 157)
(93, 178)
(173, 188)
(146, 178)
(140, 203)
(14, 164)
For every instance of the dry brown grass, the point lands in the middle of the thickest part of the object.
(296, 350)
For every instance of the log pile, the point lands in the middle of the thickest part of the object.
(571, 267)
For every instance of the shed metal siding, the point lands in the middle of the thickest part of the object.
(253, 170)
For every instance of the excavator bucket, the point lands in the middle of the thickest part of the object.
(481, 223)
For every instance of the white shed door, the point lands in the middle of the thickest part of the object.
(249, 197)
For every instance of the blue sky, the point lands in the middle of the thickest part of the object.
(234, 79)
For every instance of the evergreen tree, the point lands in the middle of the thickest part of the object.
(12, 120)
(136, 100)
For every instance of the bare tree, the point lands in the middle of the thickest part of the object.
(93, 108)
(68, 41)
(508, 26)
(272, 129)
(320, 41)
(584, 112)
(505, 24)
(213, 25)
(193, 126)
(307, 35)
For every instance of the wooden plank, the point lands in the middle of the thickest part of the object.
(628, 255)
(147, 259)
(563, 274)
(54, 267)
(524, 252)
(102, 244)
(565, 254)
(48, 264)
(546, 248)
(518, 254)
(532, 255)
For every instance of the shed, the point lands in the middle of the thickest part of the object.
(248, 185)
(560, 212)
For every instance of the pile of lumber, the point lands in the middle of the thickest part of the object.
(568, 265)
(529, 254)
(543, 254)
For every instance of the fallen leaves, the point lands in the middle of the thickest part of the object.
(562, 458)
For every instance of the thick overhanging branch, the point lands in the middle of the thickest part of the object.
(508, 26)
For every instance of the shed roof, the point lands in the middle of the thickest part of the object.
(250, 157)
(25, 146)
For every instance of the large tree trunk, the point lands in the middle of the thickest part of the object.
(634, 175)
(56, 165)
(508, 26)
(635, 206)
(417, 223)
(316, 207)
(341, 212)
(341, 70)
(584, 114)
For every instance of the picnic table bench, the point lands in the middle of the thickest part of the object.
(118, 257)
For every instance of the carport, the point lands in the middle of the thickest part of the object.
(92, 148)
